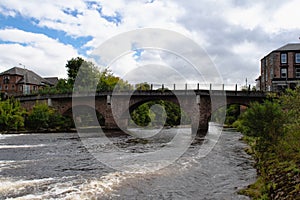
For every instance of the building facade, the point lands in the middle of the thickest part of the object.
(280, 69)
(18, 81)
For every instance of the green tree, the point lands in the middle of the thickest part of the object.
(87, 77)
(73, 66)
(90, 77)
(289, 146)
(264, 121)
(39, 117)
(62, 87)
(142, 115)
(42, 117)
(272, 130)
(232, 114)
(109, 82)
(142, 86)
(11, 115)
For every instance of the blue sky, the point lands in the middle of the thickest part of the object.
(29, 25)
(43, 35)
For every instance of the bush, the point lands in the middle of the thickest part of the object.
(11, 115)
(42, 117)
(272, 131)
(265, 121)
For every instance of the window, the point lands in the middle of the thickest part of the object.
(297, 72)
(297, 58)
(272, 73)
(6, 80)
(26, 89)
(0, 87)
(283, 58)
(283, 72)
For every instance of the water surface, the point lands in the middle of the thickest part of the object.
(59, 166)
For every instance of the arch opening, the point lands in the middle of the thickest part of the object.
(146, 114)
(232, 110)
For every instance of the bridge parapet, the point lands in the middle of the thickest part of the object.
(145, 93)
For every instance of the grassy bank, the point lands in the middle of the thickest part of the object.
(272, 130)
(278, 178)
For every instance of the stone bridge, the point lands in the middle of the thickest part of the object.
(115, 107)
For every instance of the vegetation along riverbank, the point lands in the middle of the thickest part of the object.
(272, 130)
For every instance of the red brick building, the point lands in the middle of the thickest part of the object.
(280, 69)
(17, 81)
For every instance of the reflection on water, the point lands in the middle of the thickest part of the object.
(58, 166)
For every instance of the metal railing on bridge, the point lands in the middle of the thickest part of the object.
(188, 86)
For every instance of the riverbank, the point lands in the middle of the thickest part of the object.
(272, 131)
(277, 179)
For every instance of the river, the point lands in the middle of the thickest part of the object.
(60, 166)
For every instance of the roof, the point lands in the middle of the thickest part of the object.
(290, 47)
(287, 47)
(14, 71)
(29, 77)
(52, 80)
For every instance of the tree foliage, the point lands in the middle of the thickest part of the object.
(42, 117)
(73, 67)
(290, 102)
(62, 87)
(88, 77)
(273, 131)
(109, 82)
(143, 115)
(11, 115)
(264, 121)
(232, 114)
(142, 86)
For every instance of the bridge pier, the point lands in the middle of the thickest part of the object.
(110, 121)
(109, 118)
(200, 128)
(200, 119)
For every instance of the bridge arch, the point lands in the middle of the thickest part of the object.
(219, 114)
(171, 106)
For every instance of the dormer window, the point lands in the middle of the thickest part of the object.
(283, 58)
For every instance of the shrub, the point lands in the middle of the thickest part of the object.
(265, 121)
(43, 117)
(11, 115)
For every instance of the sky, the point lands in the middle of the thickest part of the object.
(43, 35)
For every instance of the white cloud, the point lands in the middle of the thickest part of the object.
(235, 33)
(38, 52)
(247, 17)
(287, 17)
